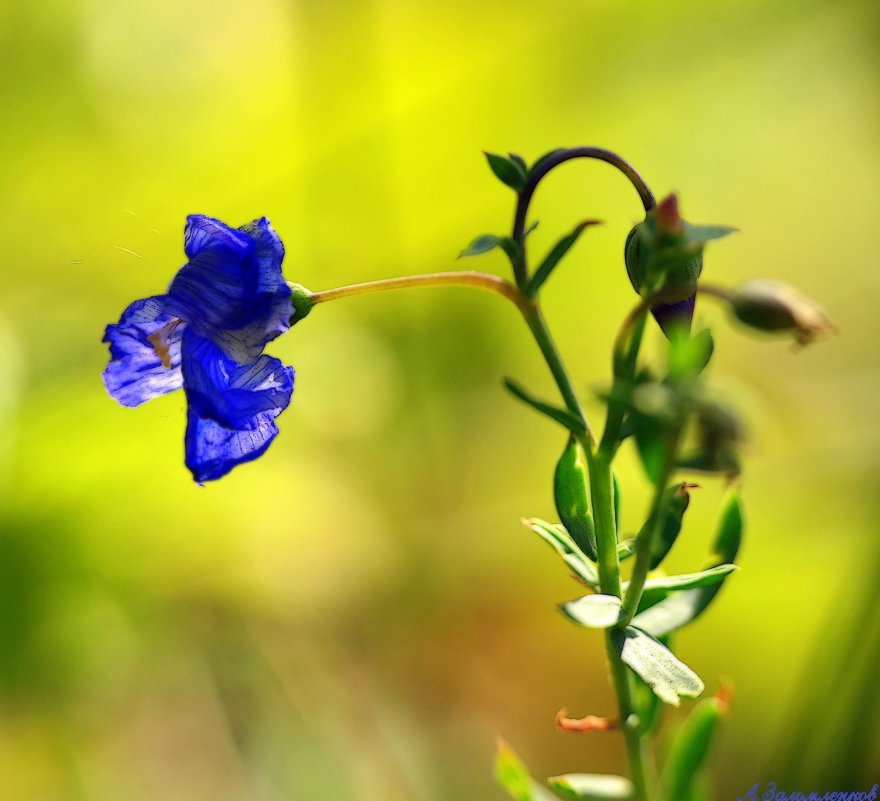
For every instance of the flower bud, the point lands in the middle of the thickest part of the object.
(658, 254)
(776, 307)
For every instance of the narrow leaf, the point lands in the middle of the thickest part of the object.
(508, 171)
(681, 608)
(615, 489)
(700, 234)
(559, 540)
(593, 611)
(583, 568)
(626, 548)
(592, 787)
(730, 530)
(649, 707)
(519, 160)
(571, 498)
(511, 248)
(690, 748)
(482, 244)
(689, 581)
(673, 506)
(561, 416)
(689, 355)
(555, 256)
(513, 776)
(531, 228)
(656, 665)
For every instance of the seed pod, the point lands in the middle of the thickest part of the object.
(572, 501)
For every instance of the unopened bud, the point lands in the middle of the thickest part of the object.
(767, 305)
(657, 252)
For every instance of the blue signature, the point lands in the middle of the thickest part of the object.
(771, 793)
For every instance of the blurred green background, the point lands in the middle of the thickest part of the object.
(359, 613)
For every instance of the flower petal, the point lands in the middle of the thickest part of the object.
(213, 450)
(670, 315)
(232, 290)
(229, 393)
(141, 369)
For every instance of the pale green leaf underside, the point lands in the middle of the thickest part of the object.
(592, 787)
(512, 774)
(657, 666)
(593, 611)
(689, 581)
(559, 540)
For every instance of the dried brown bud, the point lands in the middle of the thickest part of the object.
(768, 305)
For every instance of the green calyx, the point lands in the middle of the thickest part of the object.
(664, 254)
(302, 301)
(662, 260)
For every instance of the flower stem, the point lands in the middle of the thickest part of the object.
(567, 154)
(452, 278)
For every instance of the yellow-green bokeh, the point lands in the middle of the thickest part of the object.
(359, 613)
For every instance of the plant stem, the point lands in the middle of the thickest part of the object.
(649, 533)
(452, 278)
(538, 326)
(609, 583)
(567, 154)
(601, 490)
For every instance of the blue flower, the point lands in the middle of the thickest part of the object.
(207, 335)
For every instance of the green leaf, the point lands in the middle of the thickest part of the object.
(690, 748)
(592, 787)
(482, 244)
(689, 355)
(513, 776)
(650, 437)
(511, 248)
(626, 548)
(673, 506)
(730, 530)
(508, 171)
(698, 235)
(593, 611)
(656, 665)
(558, 539)
(681, 608)
(615, 490)
(649, 707)
(486, 242)
(531, 228)
(519, 160)
(688, 581)
(572, 501)
(562, 416)
(555, 256)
